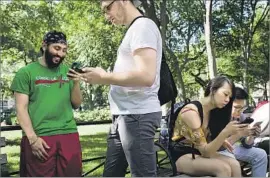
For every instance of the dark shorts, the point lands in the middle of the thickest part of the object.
(65, 157)
(178, 151)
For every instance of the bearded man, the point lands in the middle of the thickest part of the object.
(45, 97)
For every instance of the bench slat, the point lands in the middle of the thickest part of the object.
(2, 141)
(3, 159)
(164, 172)
(4, 171)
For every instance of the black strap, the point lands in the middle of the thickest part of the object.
(200, 109)
(135, 20)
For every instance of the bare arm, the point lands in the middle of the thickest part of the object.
(192, 119)
(37, 144)
(246, 132)
(143, 75)
(76, 95)
(23, 116)
(234, 138)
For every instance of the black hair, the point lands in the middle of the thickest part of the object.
(240, 94)
(219, 117)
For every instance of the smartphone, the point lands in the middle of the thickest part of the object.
(247, 121)
(77, 67)
(257, 123)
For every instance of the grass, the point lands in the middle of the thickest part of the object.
(93, 142)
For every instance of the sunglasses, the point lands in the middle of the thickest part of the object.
(108, 7)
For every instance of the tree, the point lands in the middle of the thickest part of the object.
(183, 25)
(208, 39)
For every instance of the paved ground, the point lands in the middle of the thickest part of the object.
(83, 130)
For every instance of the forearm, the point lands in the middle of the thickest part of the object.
(76, 95)
(212, 147)
(130, 79)
(234, 138)
(26, 124)
(249, 140)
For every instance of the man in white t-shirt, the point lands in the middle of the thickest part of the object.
(134, 89)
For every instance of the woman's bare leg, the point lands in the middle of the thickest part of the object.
(203, 166)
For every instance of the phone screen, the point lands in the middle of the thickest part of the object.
(77, 67)
(258, 123)
(247, 121)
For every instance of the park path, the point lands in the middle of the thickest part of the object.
(83, 130)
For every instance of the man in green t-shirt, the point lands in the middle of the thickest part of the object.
(45, 97)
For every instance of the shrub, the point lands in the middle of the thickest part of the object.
(99, 114)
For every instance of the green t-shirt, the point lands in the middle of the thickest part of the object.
(49, 92)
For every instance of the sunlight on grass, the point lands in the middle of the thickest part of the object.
(93, 141)
(92, 146)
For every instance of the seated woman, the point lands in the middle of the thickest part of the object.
(201, 138)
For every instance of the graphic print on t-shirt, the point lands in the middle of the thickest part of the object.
(47, 81)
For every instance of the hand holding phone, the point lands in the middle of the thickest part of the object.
(76, 66)
(247, 121)
(257, 124)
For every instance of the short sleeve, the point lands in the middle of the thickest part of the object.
(197, 137)
(181, 129)
(21, 82)
(146, 35)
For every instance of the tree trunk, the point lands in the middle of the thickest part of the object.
(163, 21)
(265, 96)
(208, 39)
(179, 77)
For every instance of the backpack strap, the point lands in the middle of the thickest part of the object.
(200, 110)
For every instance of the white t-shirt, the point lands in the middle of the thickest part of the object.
(143, 33)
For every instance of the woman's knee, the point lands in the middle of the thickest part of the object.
(223, 169)
(236, 168)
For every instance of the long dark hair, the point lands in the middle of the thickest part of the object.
(219, 117)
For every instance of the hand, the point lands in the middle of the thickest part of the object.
(38, 149)
(256, 131)
(228, 146)
(94, 75)
(246, 132)
(73, 75)
(234, 127)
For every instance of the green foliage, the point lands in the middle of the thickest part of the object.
(94, 42)
(102, 114)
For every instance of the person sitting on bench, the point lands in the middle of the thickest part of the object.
(199, 136)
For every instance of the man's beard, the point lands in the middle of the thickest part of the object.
(49, 59)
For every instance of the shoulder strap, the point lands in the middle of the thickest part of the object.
(200, 109)
(135, 20)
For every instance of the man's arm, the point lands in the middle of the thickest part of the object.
(249, 140)
(143, 75)
(37, 144)
(22, 101)
(243, 136)
(76, 95)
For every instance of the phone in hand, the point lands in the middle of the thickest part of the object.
(77, 67)
(247, 121)
(257, 123)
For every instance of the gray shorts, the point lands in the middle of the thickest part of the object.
(131, 142)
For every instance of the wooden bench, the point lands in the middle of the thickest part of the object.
(3, 159)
